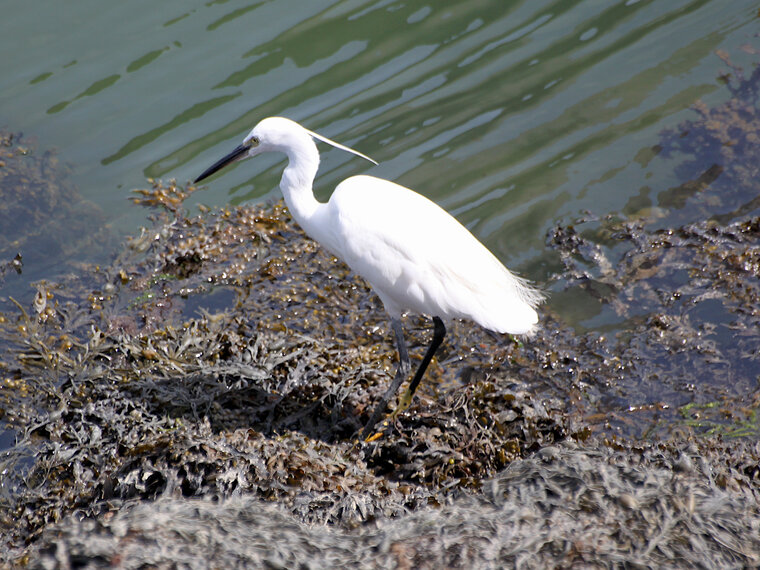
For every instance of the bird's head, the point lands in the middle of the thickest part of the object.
(273, 134)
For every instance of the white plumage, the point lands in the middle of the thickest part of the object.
(418, 258)
(414, 254)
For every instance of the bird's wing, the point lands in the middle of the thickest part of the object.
(420, 258)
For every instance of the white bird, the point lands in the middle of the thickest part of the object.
(415, 255)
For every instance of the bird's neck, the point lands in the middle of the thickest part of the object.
(296, 186)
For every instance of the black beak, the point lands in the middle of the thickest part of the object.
(236, 154)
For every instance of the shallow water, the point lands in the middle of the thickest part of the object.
(512, 115)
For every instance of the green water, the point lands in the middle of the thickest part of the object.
(512, 115)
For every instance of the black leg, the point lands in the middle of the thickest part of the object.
(403, 370)
(438, 333)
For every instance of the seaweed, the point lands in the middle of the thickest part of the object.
(201, 395)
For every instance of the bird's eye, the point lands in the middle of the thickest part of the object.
(254, 141)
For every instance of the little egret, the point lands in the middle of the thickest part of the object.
(414, 254)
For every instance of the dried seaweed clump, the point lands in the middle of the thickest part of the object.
(189, 372)
(689, 504)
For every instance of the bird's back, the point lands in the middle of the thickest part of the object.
(419, 258)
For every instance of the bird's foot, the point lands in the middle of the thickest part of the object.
(374, 437)
(403, 404)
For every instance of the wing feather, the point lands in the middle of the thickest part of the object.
(420, 258)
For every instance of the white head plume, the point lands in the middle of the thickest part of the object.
(340, 146)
